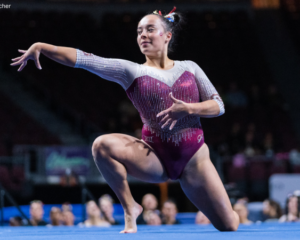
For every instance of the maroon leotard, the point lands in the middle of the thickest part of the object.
(148, 89)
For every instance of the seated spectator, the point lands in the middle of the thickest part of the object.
(15, 221)
(36, 213)
(68, 218)
(292, 209)
(201, 219)
(236, 97)
(235, 139)
(66, 207)
(271, 210)
(94, 216)
(55, 217)
(242, 211)
(169, 212)
(269, 144)
(294, 157)
(107, 209)
(153, 218)
(149, 203)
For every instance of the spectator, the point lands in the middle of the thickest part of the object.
(68, 218)
(201, 219)
(149, 203)
(94, 216)
(242, 211)
(153, 218)
(169, 212)
(255, 97)
(274, 100)
(55, 217)
(271, 210)
(292, 209)
(66, 207)
(107, 209)
(268, 144)
(15, 221)
(37, 213)
(249, 144)
(294, 157)
(235, 97)
(235, 138)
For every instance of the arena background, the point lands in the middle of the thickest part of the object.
(48, 119)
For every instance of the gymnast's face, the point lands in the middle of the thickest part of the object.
(152, 37)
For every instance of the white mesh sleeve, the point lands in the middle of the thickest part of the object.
(206, 88)
(116, 70)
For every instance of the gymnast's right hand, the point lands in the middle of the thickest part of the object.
(32, 53)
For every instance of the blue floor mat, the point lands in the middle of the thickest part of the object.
(270, 231)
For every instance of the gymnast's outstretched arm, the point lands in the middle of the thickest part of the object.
(116, 70)
(63, 55)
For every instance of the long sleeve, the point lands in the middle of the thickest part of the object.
(120, 71)
(206, 88)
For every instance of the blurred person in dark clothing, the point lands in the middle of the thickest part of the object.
(68, 218)
(66, 207)
(292, 209)
(242, 211)
(169, 212)
(149, 203)
(271, 210)
(55, 217)
(249, 144)
(235, 97)
(94, 217)
(269, 144)
(15, 221)
(107, 208)
(274, 99)
(153, 219)
(37, 213)
(256, 99)
(235, 139)
(201, 219)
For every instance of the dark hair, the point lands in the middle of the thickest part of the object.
(276, 206)
(287, 203)
(173, 27)
(170, 200)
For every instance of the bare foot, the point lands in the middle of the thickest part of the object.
(130, 219)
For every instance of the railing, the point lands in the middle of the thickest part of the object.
(3, 194)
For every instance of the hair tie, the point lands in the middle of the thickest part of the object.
(169, 16)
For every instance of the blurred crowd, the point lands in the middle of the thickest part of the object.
(101, 214)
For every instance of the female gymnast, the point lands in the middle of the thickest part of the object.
(170, 96)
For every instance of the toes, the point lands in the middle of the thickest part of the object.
(128, 231)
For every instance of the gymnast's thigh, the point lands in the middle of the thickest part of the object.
(203, 186)
(137, 156)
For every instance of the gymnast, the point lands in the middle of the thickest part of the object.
(170, 96)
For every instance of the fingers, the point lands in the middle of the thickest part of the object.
(162, 113)
(164, 118)
(22, 66)
(173, 99)
(173, 124)
(166, 123)
(20, 61)
(17, 58)
(37, 64)
(22, 51)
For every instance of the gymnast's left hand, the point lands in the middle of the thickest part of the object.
(178, 110)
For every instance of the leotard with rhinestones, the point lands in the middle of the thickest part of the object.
(148, 88)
